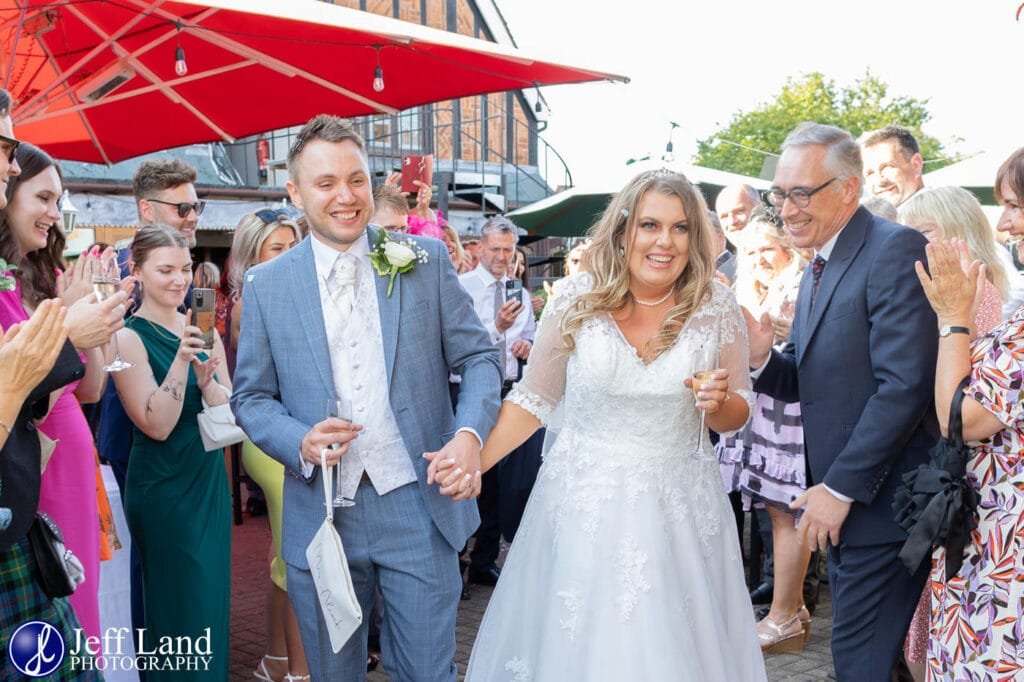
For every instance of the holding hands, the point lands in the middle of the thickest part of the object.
(456, 467)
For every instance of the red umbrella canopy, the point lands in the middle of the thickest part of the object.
(106, 80)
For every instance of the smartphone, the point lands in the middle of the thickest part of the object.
(203, 314)
(514, 290)
(417, 168)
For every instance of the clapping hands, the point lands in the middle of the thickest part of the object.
(953, 283)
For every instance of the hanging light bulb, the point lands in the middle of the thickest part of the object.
(180, 67)
(378, 79)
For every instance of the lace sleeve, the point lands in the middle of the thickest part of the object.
(543, 382)
(735, 352)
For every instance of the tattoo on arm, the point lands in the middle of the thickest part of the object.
(174, 387)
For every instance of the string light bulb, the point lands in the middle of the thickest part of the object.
(180, 67)
(378, 73)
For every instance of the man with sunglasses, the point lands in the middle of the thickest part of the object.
(861, 362)
(165, 193)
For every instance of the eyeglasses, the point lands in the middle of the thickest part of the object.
(184, 208)
(273, 215)
(9, 145)
(798, 195)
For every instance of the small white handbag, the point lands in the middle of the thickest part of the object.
(218, 428)
(333, 581)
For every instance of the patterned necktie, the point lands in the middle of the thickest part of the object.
(341, 284)
(499, 301)
(817, 267)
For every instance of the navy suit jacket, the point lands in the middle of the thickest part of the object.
(861, 362)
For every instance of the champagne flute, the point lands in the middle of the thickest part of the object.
(106, 280)
(340, 408)
(705, 359)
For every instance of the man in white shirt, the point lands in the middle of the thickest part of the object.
(507, 316)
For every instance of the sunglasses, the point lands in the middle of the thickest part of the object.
(10, 145)
(184, 208)
(273, 215)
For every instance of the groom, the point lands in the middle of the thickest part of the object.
(319, 325)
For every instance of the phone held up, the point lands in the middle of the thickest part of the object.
(417, 168)
(203, 314)
(514, 290)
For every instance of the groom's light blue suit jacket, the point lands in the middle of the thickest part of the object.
(283, 377)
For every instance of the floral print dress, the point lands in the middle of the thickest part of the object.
(976, 617)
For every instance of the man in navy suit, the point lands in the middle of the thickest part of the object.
(861, 361)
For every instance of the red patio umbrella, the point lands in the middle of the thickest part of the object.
(106, 80)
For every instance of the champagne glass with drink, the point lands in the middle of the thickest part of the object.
(705, 362)
(106, 280)
(340, 409)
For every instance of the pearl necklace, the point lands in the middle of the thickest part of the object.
(651, 304)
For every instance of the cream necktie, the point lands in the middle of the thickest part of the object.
(341, 284)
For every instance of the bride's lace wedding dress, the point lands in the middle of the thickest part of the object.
(626, 565)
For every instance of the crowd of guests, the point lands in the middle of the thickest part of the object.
(855, 357)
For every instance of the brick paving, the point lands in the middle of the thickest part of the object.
(250, 576)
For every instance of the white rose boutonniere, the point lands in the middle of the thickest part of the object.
(391, 258)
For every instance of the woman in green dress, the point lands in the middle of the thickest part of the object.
(177, 501)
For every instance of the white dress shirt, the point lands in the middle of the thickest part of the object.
(480, 284)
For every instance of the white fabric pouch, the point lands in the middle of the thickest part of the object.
(329, 566)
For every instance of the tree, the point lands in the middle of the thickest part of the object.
(865, 105)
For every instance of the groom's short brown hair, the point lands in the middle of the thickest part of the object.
(327, 128)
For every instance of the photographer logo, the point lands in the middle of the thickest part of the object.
(36, 648)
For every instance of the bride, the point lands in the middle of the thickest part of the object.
(627, 564)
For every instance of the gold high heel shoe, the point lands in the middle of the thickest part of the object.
(781, 638)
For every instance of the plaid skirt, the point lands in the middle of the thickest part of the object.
(22, 599)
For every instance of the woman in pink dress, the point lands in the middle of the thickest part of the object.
(32, 237)
(944, 213)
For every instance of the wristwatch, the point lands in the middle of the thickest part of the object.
(953, 329)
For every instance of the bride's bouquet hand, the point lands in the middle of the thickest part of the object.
(712, 391)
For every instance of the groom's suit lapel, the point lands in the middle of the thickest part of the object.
(306, 300)
(389, 309)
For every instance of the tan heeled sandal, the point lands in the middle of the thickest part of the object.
(261, 673)
(295, 678)
(805, 622)
(781, 638)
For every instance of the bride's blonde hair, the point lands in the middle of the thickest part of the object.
(612, 240)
